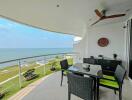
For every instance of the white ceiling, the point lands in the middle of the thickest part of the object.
(72, 16)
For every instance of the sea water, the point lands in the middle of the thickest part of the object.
(16, 53)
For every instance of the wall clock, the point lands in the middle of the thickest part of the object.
(103, 42)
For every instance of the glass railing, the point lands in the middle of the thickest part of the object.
(18, 73)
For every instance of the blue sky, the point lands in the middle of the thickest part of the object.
(14, 35)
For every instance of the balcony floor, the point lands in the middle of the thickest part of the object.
(49, 89)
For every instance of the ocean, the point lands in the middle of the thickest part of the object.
(15, 53)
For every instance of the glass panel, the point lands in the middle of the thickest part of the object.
(9, 81)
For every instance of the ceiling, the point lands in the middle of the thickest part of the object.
(65, 16)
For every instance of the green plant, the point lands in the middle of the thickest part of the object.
(53, 64)
(57, 57)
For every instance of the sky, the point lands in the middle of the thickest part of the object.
(15, 35)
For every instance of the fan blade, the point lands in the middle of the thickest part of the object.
(96, 22)
(98, 13)
(114, 16)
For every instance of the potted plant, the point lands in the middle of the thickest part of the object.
(53, 65)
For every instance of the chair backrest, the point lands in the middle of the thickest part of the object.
(89, 60)
(120, 74)
(64, 64)
(110, 64)
(80, 86)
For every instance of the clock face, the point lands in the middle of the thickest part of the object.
(103, 42)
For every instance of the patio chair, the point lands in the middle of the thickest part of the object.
(82, 87)
(109, 66)
(115, 84)
(64, 67)
(89, 60)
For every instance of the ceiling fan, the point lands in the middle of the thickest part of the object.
(102, 16)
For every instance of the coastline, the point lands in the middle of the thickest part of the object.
(16, 53)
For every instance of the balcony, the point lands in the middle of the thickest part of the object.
(49, 89)
(34, 78)
(18, 73)
(47, 85)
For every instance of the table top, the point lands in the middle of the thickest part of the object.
(79, 68)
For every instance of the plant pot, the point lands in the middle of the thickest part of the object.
(52, 69)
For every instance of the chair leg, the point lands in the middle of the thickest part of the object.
(120, 94)
(97, 89)
(61, 77)
(115, 91)
(69, 96)
(94, 88)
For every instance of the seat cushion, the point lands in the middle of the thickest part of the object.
(109, 77)
(109, 83)
(66, 72)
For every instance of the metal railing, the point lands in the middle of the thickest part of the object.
(13, 72)
(44, 58)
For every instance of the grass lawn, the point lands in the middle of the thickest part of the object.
(11, 71)
(11, 87)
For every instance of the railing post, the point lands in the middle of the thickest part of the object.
(44, 65)
(64, 56)
(20, 78)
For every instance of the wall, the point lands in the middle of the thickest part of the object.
(114, 32)
(80, 49)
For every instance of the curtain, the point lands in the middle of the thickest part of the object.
(127, 46)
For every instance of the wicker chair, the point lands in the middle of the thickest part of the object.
(115, 84)
(64, 67)
(89, 60)
(80, 86)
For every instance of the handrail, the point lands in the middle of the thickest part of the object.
(20, 68)
(35, 57)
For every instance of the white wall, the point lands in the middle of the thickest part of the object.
(114, 32)
(80, 49)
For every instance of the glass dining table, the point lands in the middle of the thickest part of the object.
(80, 68)
(93, 71)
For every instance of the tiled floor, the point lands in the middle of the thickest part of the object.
(49, 89)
